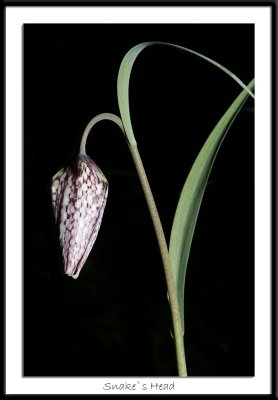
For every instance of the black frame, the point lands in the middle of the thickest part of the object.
(274, 144)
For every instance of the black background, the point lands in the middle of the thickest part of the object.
(114, 320)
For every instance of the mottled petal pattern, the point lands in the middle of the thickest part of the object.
(79, 193)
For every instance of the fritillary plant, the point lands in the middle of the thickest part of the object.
(79, 193)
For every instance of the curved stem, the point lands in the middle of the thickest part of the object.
(96, 119)
(177, 324)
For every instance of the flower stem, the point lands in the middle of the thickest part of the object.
(177, 325)
(178, 334)
(98, 118)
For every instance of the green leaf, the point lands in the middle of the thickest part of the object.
(190, 200)
(192, 195)
(124, 76)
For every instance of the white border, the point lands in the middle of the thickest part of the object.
(15, 17)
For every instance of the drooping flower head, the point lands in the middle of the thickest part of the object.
(79, 193)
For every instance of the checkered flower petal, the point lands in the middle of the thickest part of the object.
(79, 193)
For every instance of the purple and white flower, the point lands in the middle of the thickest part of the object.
(79, 193)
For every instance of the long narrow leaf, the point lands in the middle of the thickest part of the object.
(124, 76)
(192, 195)
(190, 200)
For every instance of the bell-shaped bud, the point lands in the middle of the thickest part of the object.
(79, 194)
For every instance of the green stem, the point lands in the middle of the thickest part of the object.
(177, 324)
(96, 119)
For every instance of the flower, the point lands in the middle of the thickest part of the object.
(79, 193)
